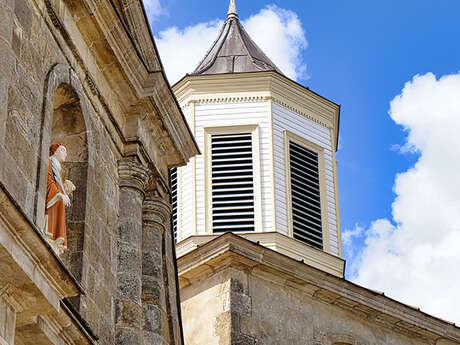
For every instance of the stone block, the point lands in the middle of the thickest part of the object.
(106, 330)
(105, 242)
(127, 336)
(240, 304)
(129, 259)
(151, 239)
(74, 262)
(131, 203)
(20, 133)
(75, 236)
(129, 287)
(152, 318)
(154, 339)
(23, 14)
(103, 298)
(152, 264)
(30, 199)
(17, 39)
(244, 340)
(90, 279)
(12, 177)
(152, 291)
(128, 314)
(130, 231)
(7, 321)
(6, 24)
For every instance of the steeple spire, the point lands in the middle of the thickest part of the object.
(232, 12)
(234, 51)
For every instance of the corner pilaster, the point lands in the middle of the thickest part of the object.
(159, 293)
(133, 180)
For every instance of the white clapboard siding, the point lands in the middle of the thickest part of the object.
(186, 201)
(216, 114)
(284, 119)
(187, 214)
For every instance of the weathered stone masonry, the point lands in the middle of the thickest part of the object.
(87, 73)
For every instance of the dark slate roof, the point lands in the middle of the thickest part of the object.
(234, 51)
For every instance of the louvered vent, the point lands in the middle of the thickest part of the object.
(232, 182)
(305, 189)
(173, 186)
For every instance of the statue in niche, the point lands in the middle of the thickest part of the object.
(57, 199)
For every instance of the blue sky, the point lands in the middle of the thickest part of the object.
(361, 54)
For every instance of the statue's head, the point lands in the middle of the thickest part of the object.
(58, 151)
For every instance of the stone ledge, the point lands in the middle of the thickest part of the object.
(34, 280)
(280, 243)
(24, 243)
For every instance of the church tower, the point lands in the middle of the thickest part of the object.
(267, 171)
(256, 215)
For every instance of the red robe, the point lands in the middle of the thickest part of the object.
(55, 211)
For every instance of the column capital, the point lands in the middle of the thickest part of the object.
(156, 209)
(133, 175)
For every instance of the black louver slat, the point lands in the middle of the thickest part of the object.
(232, 182)
(173, 186)
(306, 199)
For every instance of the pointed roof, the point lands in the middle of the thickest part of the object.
(234, 51)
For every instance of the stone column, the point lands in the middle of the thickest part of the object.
(134, 178)
(160, 314)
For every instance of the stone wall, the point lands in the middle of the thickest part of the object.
(28, 53)
(45, 80)
(235, 292)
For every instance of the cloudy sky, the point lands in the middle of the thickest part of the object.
(394, 66)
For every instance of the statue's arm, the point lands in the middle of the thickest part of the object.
(52, 188)
(69, 187)
(53, 191)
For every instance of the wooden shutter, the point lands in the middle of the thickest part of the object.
(305, 193)
(232, 182)
(173, 186)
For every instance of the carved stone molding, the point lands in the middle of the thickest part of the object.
(133, 175)
(8, 293)
(156, 210)
(52, 13)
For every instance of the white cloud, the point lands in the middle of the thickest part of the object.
(153, 9)
(415, 257)
(348, 236)
(182, 50)
(277, 31)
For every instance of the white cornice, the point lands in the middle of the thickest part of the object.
(243, 87)
(280, 243)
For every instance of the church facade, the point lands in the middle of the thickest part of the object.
(252, 199)
(256, 216)
(84, 98)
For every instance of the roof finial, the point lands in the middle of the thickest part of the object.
(232, 12)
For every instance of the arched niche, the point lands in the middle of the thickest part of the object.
(68, 127)
(65, 120)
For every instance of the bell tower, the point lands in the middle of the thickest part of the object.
(267, 171)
